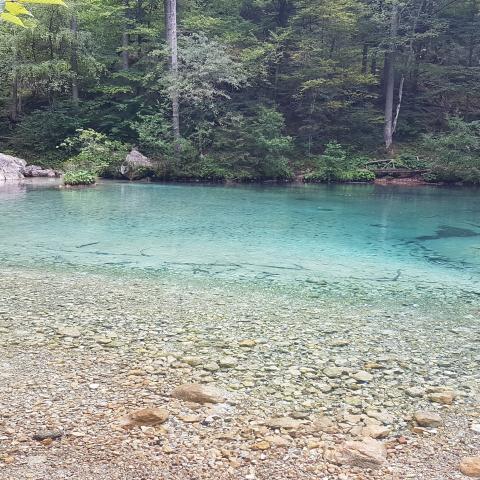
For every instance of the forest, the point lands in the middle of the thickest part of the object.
(245, 90)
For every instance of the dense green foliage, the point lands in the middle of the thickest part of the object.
(79, 177)
(454, 156)
(93, 152)
(267, 89)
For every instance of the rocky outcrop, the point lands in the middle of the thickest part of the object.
(11, 168)
(36, 171)
(136, 165)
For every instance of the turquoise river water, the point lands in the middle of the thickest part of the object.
(292, 236)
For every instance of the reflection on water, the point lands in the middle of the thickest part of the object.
(288, 235)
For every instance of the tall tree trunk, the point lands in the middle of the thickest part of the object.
(283, 9)
(14, 99)
(364, 58)
(74, 59)
(125, 38)
(373, 65)
(13, 110)
(171, 34)
(389, 80)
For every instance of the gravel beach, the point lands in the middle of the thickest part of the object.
(310, 387)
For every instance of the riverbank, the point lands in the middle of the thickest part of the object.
(81, 350)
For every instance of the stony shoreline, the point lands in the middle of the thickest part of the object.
(80, 352)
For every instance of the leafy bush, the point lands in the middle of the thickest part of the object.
(454, 156)
(253, 146)
(357, 176)
(336, 166)
(155, 133)
(94, 152)
(347, 176)
(79, 177)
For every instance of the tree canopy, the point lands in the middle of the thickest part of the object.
(260, 87)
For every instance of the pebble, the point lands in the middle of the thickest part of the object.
(48, 434)
(362, 376)
(368, 453)
(470, 466)
(333, 372)
(262, 445)
(145, 417)
(445, 398)
(475, 427)
(197, 393)
(428, 419)
(67, 331)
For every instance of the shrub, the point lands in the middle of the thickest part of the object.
(79, 177)
(454, 156)
(357, 175)
(94, 153)
(336, 166)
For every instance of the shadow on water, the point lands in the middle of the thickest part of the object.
(445, 231)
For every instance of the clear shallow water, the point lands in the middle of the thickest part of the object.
(294, 235)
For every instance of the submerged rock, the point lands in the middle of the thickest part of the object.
(445, 398)
(368, 453)
(287, 423)
(428, 419)
(470, 466)
(67, 331)
(47, 434)
(362, 376)
(145, 417)
(196, 393)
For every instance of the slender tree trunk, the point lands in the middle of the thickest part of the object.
(364, 58)
(14, 99)
(471, 47)
(171, 34)
(74, 60)
(13, 112)
(126, 39)
(373, 65)
(283, 13)
(389, 80)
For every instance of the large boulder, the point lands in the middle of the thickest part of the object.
(135, 165)
(11, 168)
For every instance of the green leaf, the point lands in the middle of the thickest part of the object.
(16, 9)
(10, 18)
(44, 2)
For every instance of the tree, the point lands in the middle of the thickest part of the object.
(171, 36)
